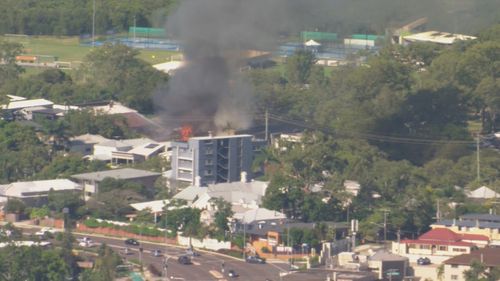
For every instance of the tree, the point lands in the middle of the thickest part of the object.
(116, 69)
(299, 66)
(479, 272)
(223, 211)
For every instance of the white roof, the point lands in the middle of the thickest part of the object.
(170, 66)
(312, 43)
(15, 98)
(66, 107)
(20, 104)
(248, 193)
(36, 188)
(112, 108)
(220, 137)
(258, 215)
(126, 142)
(147, 149)
(89, 139)
(437, 37)
(155, 206)
(483, 192)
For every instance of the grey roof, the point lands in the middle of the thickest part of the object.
(386, 256)
(468, 223)
(220, 137)
(36, 188)
(481, 217)
(126, 173)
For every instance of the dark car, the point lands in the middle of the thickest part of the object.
(255, 259)
(423, 261)
(184, 260)
(231, 273)
(131, 241)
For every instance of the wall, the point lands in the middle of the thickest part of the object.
(121, 233)
(211, 244)
(458, 271)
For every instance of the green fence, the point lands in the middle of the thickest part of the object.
(147, 32)
(366, 37)
(318, 36)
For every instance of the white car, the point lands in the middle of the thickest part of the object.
(86, 244)
(45, 230)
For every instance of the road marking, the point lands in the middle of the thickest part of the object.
(216, 274)
(196, 263)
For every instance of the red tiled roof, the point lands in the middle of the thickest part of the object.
(437, 242)
(444, 234)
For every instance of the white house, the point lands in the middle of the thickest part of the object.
(36, 192)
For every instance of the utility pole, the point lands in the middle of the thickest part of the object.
(478, 166)
(244, 240)
(93, 24)
(385, 227)
(135, 27)
(267, 124)
(438, 211)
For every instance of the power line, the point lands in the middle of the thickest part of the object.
(371, 136)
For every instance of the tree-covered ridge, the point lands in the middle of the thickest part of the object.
(74, 17)
(398, 124)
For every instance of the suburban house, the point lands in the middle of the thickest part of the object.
(84, 144)
(482, 224)
(388, 266)
(137, 154)
(90, 181)
(35, 193)
(270, 233)
(438, 245)
(104, 150)
(455, 267)
(483, 193)
(212, 159)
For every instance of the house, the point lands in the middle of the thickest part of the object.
(481, 224)
(212, 159)
(352, 187)
(271, 233)
(259, 214)
(138, 153)
(438, 245)
(244, 194)
(104, 150)
(90, 181)
(388, 266)
(35, 193)
(483, 192)
(84, 144)
(455, 267)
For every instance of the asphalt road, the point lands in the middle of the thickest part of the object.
(207, 267)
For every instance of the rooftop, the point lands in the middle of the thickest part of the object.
(126, 173)
(19, 104)
(483, 192)
(155, 206)
(36, 188)
(481, 217)
(125, 143)
(444, 234)
(489, 256)
(89, 139)
(258, 215)
(386, 256)
(467, 223)
(437, 37)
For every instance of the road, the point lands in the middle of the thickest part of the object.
(207, 267)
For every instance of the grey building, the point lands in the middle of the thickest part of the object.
(90, 181)
(212, 159)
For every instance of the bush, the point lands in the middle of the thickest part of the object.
(92, 223)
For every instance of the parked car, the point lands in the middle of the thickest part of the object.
(423, 261)
(184, 260)
(231, 273)
(156, 253)
(131, 241)
(255, 259)
(45, 230)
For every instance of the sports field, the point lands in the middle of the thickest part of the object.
(69, 48)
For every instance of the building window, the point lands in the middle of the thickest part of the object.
(425, 247)
(209, 162)
(459, 250)
(443, 248)
(208, 172)
(454, 266)
(454, 277)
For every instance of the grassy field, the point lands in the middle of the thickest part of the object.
(69, 48)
